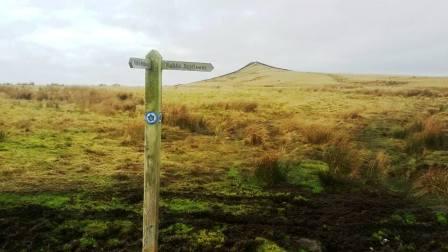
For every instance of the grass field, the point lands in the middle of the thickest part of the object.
(262, 159)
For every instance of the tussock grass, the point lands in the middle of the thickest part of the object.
(317, 133)
(134, 131)
(23, 94)
(103, 101)
(352, 115)
(398, 132)
(243, 106)
(25, 125)
(7, 173)
(256, 135)
(434, 181)
(268, 169)
(426, 133)
(433, 133)
(400, 92)
(180, 116)
(247, 114)
(17, 92)
(124, 96)
(114, 105)
(232, 126)
(342, 156)
(377, 167)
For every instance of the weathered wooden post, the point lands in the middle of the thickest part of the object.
(153, 66)
(153, 100)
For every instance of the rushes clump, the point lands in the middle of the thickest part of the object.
(426, 133)
(342, 156)
(377, 167)
(268, 169)
(433, 133)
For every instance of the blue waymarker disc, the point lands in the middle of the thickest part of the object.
(151, 118)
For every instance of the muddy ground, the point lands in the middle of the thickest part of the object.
(344, 221)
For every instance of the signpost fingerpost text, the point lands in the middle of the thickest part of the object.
(153, 65)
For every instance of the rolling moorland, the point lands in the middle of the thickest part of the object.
(261, 159)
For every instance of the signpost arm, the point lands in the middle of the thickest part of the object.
(153, 99)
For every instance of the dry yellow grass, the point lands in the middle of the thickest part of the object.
(180, 116)
(377, 167)
(268, 169)
(318, 134)
(214, 124)
(259, 143)
(434, 181)
(427, 133)
(134, 131)
(256, 135)
(343, 156)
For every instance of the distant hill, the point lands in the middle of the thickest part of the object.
(260, 74)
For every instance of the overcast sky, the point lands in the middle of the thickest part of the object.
(90, 42)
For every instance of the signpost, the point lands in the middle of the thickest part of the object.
(187, 66)
(153, 65)
(139, 63)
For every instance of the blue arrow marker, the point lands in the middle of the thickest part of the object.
(151, 118)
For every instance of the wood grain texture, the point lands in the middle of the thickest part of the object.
(153, 100)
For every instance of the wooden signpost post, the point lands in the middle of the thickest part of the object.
(153, 65)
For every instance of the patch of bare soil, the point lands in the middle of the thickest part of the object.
(344, 221)
(348, 221)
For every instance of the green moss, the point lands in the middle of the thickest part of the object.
(243, 183)
(268, 246)
(380, 235)
(86, 203)
(239, 210)
(233, 173)
(404, 218)
(207, 239)
(300, 198)
(398, 132)
(177, 229)
(123, 227)
(45, 200)
(306, 174)
(94, 233)
(67, 247)
(113, 242)
(185, 206)
(442, 218)
(407, 248)
(96, 229)
(236, 183)
(87, 242)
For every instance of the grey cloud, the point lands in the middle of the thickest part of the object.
(384, 36)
